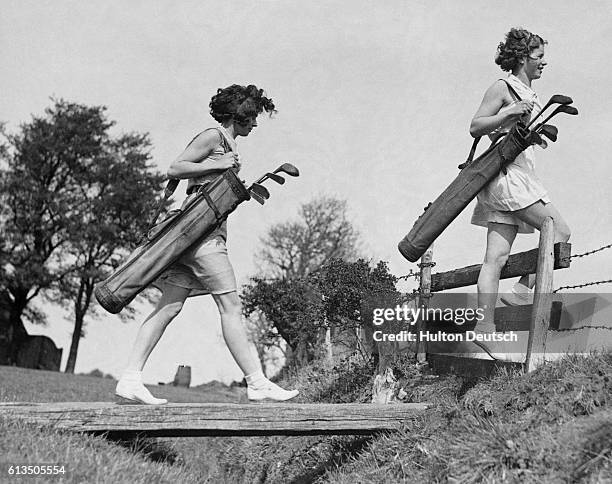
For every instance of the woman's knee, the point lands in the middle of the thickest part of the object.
(169, 311)
(562, 231)
(496, 260)
(229, 304)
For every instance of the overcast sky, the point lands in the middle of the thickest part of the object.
(374, 103)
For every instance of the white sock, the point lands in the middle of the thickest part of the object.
(256, 379)
(132, 375)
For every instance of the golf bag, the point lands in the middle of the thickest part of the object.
(167, 242)
(473, 177)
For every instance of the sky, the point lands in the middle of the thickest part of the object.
(374, 103)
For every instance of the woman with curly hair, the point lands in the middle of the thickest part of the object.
(205, 268)
(515, 201)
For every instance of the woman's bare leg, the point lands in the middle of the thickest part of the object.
(535, 215)
(153, 327)
(130, 385)
(499, 242)
(259, 387)
(234, 333)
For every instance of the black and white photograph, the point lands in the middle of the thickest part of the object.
(269, 241)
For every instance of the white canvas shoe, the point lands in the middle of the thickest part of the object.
(514, 298)
(270, 391)
(135, 392)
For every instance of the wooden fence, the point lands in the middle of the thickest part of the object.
(539, 318)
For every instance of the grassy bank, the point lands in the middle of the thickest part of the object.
(554, 425)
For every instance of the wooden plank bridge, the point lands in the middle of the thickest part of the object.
(215, 419)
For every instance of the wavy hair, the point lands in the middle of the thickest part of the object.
(239, 103)
(519, 43)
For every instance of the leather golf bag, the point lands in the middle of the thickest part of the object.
(473, 177)
(207, 209)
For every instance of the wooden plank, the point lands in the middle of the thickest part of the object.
(542, 301)
(507, 318)
(518, 318)
(518, 265)
(215, 419)
(468, 367)
(424, 297)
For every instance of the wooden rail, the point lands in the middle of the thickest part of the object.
(507, 318)
(518, 265)
(215, 419)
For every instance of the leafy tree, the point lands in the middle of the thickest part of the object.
(291, 251)
(332, 297)
(66, 184)
(121, 189)
(322, 232)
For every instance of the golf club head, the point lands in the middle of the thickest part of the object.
(549, 131)
(259, 190)
(535, 138)
(555, 99)
(571, 110)
(560, 99)
(256, 197)
(289, 169)
(277, 178)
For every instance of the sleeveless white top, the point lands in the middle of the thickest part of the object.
(226, 145)
(520, 186)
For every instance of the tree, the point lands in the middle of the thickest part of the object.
(57, 173)
(332, 297)
(121, 189)
(350, 290)
(323, 232)
(291, 251)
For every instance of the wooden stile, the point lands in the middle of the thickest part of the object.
(518, 265)
(540, 319)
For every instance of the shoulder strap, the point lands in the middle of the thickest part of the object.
(470, 157)
(224, 141)
(173, 182)
(512, 90)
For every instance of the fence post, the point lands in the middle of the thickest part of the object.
(424, 296)
(540, 316)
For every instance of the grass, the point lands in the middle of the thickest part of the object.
(553, 425)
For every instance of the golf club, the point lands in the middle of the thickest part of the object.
(277, 178)
(549, 131)
(256, 197)
(260, 190)
(571, 110)
(287, 168)
(534, 138)
(555, 99)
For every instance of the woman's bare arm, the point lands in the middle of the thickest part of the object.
(189, 163)
(488, 118)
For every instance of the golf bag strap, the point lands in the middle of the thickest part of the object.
(476, 140)
(168, 191)
(211, 204)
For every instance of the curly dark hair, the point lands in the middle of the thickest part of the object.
(239, 103)
(519, 43)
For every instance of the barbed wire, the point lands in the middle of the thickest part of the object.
(585, 284)
(587, 326)
(417, 275)
(576, 256)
